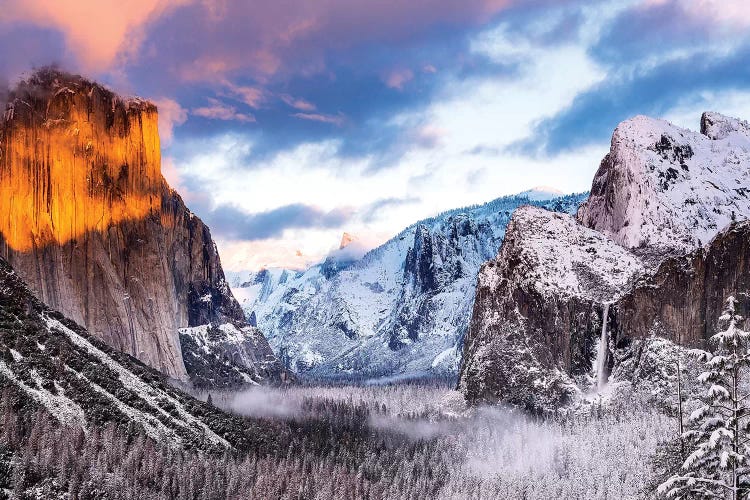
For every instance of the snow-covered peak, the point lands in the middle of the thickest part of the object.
(402, 308)
(346, 240)
(551, 252)
(717, 126)
(542, 193)
(669, 188)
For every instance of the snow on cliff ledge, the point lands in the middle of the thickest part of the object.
(670, 188)
(551, 252)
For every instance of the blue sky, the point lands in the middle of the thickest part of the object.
(286, 123)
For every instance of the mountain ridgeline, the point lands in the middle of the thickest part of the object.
(90, 224)
(401, 310)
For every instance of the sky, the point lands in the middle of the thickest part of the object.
(286, 123)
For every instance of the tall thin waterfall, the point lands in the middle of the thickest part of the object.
(601, 355)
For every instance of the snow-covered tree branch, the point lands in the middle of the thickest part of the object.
(718, 465)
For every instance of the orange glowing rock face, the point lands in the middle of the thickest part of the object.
(79, 160)
(90, 224)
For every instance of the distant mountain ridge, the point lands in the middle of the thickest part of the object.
(401, 310)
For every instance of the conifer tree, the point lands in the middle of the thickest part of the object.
(717, 468)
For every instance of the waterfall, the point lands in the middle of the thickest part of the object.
(601, 355)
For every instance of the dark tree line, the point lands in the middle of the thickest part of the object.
(330, 454)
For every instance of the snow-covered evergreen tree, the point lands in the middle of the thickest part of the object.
(718, 465)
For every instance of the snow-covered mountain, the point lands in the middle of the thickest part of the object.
(668, 188)
(539, 310)
(401, 310)
(541, 193)
(655, 250)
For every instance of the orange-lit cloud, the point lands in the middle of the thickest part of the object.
(96, 31)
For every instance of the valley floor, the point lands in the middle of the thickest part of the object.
(605, 449)
(397, 442)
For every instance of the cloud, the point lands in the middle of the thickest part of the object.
(653, 90)
(171, 114)
(263, 402)
(299, 104)
(252, 96)
(216, 110)
(375, 209)
(398, 78)
(296, 36)
(731, 14)
(322, 118)
(232, 223)
(94, 30)
(263, 254)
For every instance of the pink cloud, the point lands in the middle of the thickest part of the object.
(299, 104)
(210, 41)
(220, 111)
(398, 78)
(252, 96)
(269, 40)
(337, 120)
(733, 14)
(171, 114)
(95, 30)
(429, 136)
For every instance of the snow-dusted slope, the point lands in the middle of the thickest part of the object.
(668, 188)
(228, 356)
(48, 362)
(553, 254)
(402, 309)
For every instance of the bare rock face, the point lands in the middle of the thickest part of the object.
(683, 299)
(88, 221)
(539, 309)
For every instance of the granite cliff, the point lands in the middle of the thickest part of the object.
(90, 224)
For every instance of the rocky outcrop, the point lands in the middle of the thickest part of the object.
(539, 309)
(670, 190)
(88, 221)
